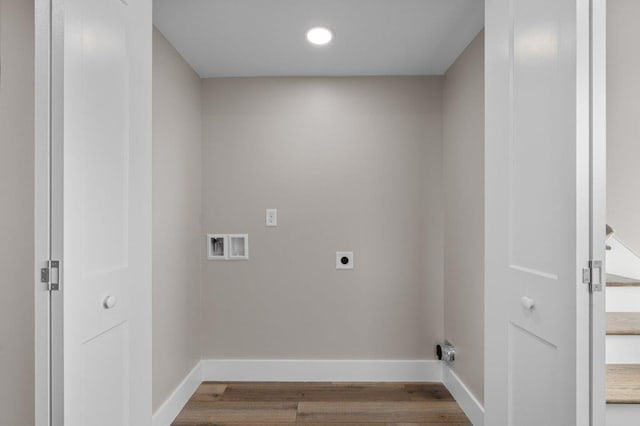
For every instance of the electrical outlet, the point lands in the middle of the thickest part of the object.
(272, 217)
(344, 260)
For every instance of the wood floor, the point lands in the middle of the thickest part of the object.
(390, 404)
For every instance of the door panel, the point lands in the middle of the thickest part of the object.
(105, 378)
(105, 157)
(101, 206)
(529, 397)
(535, 84)
(537, 212)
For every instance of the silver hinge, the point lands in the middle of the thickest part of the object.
(592, 275)
(51, 275)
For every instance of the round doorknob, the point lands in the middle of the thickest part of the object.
(527, 303)
(110, 302)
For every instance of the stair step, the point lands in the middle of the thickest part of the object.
(623, 384)
(623, 299)
(622, 414)
(623, 323)
(623, 349)
(623, 283)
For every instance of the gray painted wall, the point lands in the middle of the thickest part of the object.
(177, 207)
(464, 213)
(17, 213)
(623, 123)
(351, 164)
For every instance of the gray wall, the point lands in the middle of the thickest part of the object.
(464, 213)
(16, 213)
(623, 120)
(177, 209)
(351, 164)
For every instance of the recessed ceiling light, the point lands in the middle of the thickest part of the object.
(319, 36)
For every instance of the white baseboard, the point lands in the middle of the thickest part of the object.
(241, 370)
(169, 410)
(321, 370)
(463, 396)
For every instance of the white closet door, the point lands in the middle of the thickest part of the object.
(537, 212)
(101, 212)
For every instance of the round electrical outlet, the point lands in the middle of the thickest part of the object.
(344, 260)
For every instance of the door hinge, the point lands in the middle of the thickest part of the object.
(50, 275)
(592, 275)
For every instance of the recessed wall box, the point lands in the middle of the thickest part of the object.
(238, 247)
(217, 246)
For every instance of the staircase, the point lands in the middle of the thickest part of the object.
(623, 335)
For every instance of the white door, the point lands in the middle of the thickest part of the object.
(537, 212)
(100, 180)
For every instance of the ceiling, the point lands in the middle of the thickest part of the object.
(243, 38)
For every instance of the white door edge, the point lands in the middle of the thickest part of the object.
(598, 204)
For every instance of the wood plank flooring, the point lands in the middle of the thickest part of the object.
(623, 384)
(345, 404)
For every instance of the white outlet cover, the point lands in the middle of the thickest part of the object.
(344, 260)
(272, 217)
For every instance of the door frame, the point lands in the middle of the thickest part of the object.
(48, 333)
(598, 158)
(42, 251)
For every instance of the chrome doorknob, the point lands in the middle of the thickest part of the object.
(527, 303)
(109, 302)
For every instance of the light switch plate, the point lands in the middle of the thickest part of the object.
(272, 217)
(344, 260)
